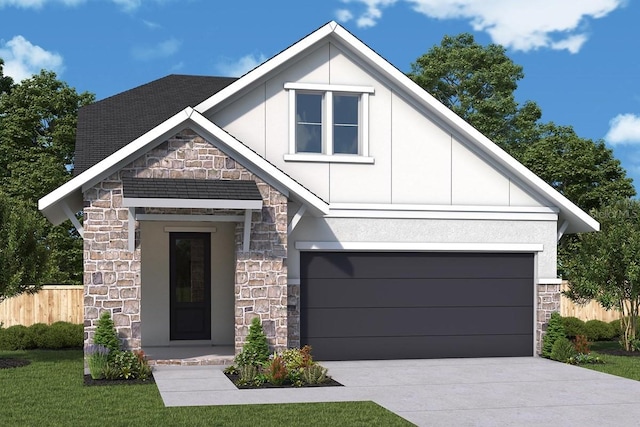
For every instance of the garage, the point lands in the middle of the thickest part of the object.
(401, 305)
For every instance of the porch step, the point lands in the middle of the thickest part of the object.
(195, 361)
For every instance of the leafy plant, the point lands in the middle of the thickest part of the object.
(554, 332)
(562, 350)
(584, 359)
(581, 344)
(314, 374)
(106, 334)
(276, 372)
(97, 357)
(250, 375)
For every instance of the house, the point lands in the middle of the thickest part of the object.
(324, 192)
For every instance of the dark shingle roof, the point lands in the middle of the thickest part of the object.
(108, 125)
(169, 188)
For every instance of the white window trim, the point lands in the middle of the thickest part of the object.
(327, 136)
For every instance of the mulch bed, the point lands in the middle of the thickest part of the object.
(13, 363)
(91, 382)
(330, 382)
(619, 352)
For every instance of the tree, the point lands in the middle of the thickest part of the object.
(22, 255)
(478, 84)
(584, 171)
(38, 119)
(6, 82)
(605, 266)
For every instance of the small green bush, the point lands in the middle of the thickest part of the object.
(617, 327)
(16, 337)
(573, 327)
(314, 374)
(127, 365)
(106, 334)
(554, 332)
(38, 332)
(597, 330)
(256, 349)
(562, 350)
(63, 335)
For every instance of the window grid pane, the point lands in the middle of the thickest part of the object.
(308, 123)
(345, 124)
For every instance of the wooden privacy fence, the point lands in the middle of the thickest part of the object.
(590, 311)
(51, 304)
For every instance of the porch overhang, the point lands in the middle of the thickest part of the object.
(190, 194)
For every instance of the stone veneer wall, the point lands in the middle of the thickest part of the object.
(112, 274)
(548, 302)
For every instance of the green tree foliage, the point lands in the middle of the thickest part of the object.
(22, 254)
(106, 333)
(38, 118)
(6, 82)
(605, 266)
(584, 171)
(478, 83)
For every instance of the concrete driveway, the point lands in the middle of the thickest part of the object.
(523, 391)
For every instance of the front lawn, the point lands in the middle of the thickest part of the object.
(50, 392)
(622, 366)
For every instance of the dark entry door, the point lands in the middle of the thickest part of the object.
(190, 286)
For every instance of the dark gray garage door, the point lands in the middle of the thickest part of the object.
(399, 305)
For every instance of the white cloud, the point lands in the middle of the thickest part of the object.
(151, 25)
(126, 5)
(344, 15)
(624, 129)
(517, 24)
(22, 59)
(161, 50)
(231, 68)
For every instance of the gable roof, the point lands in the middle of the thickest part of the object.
(171, 188)
(571, 218)
(106, 126)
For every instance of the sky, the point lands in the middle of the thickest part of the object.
(581, 58)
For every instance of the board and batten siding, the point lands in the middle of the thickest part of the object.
(417, 160)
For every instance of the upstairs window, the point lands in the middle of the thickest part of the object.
(328, 123)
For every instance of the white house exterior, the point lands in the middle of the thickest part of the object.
(366, 220)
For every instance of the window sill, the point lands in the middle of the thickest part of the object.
(324, 158)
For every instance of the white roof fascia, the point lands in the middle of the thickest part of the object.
(49, 203)
(265, 169)
(468, 131)
(268, 66)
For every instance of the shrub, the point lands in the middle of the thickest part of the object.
(597, 330)
(106, 334)
(581, 344)
(573, 327)
(314, 374)
(562, 350)
(554, 332)
(584, 359)
(250, 375)
(38, 333)
(127, 365)
(617, 327)
(256, 349)
(296, 358)
(16, 337)
(276, 372)
(63, 335)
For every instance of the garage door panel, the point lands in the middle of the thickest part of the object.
(406, 305)
(370, 348)
(386, 322)
(416, 292)
(410, 265)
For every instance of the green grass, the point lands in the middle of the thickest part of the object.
(622, 366)
(50, 392)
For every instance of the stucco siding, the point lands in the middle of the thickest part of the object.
(427, 231)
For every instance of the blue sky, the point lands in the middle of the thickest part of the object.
(581, 58)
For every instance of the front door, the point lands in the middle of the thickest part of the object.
(190, 286)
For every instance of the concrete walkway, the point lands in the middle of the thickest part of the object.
(444, 392)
